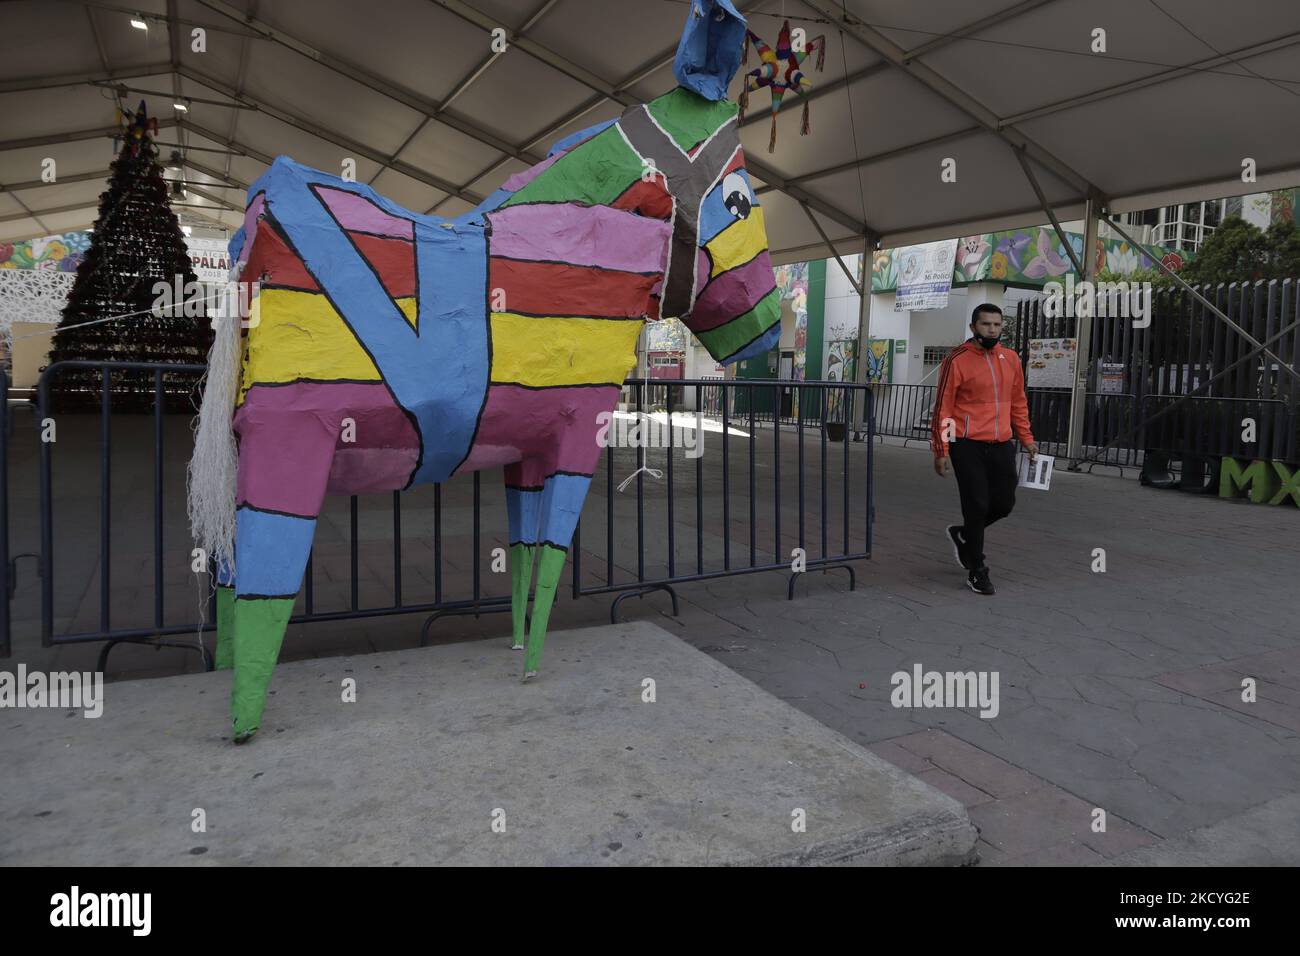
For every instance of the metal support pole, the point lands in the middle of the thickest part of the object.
(1083, 334)
(829, 245)
(864, 333)
(1042, 201)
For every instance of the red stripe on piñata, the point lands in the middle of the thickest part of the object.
(392, 259)
(554, 288)
(273, 262)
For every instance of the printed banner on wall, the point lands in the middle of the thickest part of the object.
(210, 259)
(925, 275)
(1051, 363)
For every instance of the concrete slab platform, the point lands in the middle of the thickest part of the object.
(442, 741)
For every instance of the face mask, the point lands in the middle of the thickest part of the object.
(987, 342)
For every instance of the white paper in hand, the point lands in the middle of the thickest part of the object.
(1036, 474)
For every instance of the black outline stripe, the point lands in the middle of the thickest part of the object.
(272, 511)
(552, 315)
(775, 324)
(543, 388)
(316, 381)
(576, 265)
(723, 324)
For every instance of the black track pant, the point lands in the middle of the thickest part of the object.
(986, 476)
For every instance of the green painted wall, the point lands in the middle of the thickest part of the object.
(813, 370)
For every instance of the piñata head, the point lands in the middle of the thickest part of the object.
(712, 44)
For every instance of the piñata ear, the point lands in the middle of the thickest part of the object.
(711, 47)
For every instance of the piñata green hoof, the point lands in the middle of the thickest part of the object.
(225, 656)
(549, 566)
(259, 632)
(521, 573)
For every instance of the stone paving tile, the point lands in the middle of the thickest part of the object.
(972, 765)
(955, 787)
(1032, 821)
(988, 855)
(1061, 854)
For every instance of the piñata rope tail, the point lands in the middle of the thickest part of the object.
(210, 478)
(804, 127)
(821, 53)
(771, 142)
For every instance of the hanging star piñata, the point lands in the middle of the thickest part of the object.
(780, 71)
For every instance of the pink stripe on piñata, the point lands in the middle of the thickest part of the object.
(357, 212)
(583, 235)
(733, 293)
(546, 429)
(286, 431)
(519, 180)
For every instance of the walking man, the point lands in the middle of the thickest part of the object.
(979, 402)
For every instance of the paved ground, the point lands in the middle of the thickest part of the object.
(1119, 691)
(444, 757)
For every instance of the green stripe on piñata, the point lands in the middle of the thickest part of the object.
(596, 172)
(679, 112)
(600, 170)
(225, 658)
(733, 336)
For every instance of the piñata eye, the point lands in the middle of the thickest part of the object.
(735, 192)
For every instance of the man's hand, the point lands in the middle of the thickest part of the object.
(1032, 448)
(941, 466)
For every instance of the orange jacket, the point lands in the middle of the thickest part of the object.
(982, 393)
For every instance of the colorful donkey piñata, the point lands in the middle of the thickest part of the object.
(391, 348)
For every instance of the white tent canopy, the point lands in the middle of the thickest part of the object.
(413, 92)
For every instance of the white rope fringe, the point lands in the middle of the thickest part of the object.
(210, 479)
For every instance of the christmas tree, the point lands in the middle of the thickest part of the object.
(136, 244)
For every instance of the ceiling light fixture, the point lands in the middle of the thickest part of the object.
(137, 21)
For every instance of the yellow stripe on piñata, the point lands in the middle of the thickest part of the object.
(548, 351)
(299, 335)
(738, 243)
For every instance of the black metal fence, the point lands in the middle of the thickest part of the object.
(848, 507)
(124, 551)
(1175, 381)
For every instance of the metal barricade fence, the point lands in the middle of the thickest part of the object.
(121, 536)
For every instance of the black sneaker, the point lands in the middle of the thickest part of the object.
(978, 581)
(958, 545)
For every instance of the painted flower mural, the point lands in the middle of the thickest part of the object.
(998, 265)
(1122, 259)
(973, 258)
(883, 274)
(1046, 260)
(1076, 243)
(1012, 246)
(61, 253)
